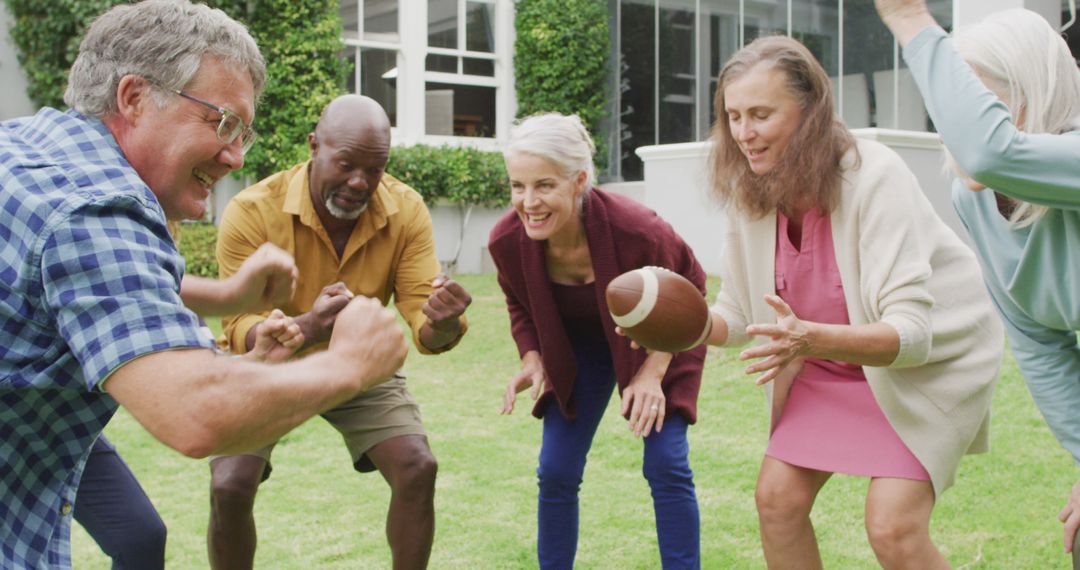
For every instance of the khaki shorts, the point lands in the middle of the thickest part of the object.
(386, 411)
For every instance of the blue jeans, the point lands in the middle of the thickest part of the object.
(115, 511)
(562, 462)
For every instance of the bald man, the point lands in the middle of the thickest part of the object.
(353, 230)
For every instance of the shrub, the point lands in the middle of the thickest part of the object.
(459, 175)
(560, 61)
(197, 243)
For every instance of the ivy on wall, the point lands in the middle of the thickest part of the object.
(562, 50)
(300, 41)
(47, 35)
(560, 60)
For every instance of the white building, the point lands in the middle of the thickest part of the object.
(443, 69)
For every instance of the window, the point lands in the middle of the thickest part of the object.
(637, 105)
(373, 45)
(676, 78)
(900, 105)
(460, 82)
(876, 89)
(718, 21)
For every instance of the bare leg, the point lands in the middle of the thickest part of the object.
(409, 467)
(230, 538)
(898, 524)
(785, 494)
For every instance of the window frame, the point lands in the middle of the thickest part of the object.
(360, 43)
(494, 81)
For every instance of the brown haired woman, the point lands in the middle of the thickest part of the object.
(878, 337)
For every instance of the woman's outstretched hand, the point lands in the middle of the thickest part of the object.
(790, 339)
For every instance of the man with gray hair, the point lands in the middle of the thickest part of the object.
(163, 95)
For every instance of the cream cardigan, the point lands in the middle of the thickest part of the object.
(901, 265)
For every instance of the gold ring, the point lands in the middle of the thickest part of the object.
(654, 407)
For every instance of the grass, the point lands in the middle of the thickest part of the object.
(315, 512)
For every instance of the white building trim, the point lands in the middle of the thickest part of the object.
(412, 77)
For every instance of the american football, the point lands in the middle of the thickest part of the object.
(659, 309)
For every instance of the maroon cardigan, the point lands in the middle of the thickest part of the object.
(623, 235)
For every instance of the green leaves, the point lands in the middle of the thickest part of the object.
(561, 65)
(560, 60)
(300, 41)
(47, 35)
(197, 243)
(455, 174)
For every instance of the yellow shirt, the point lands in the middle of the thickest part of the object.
(390, 251)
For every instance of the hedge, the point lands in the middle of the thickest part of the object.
(47, 35)
(458, 175)
(197, 243)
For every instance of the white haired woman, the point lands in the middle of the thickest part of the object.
(556, 251)
(1005, 95)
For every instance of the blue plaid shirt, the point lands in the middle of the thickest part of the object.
(89, 280)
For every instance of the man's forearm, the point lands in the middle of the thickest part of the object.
(202, 403)
(252, 334)
(207, 297)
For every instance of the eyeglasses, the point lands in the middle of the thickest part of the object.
(231, 125)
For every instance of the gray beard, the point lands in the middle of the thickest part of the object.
(341, 213)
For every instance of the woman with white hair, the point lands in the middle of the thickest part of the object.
(556, 251)
(1005, 95)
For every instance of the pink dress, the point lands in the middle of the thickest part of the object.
(831, 421)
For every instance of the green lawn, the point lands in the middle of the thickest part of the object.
(315, 512)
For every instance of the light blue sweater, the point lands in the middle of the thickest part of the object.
(1032, 273)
